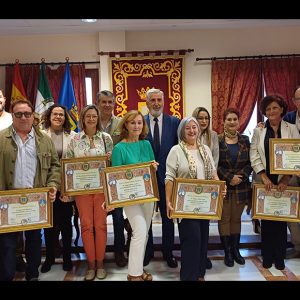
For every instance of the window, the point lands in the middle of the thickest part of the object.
(89, 91)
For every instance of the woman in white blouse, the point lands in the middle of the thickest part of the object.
(190, 159)
(92, 142)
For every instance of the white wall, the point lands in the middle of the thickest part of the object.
(206, 43)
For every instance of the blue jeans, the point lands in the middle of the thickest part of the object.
(33, 254)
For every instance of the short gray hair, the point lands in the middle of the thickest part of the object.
(152, 91)
(181, 127)
(105, 93)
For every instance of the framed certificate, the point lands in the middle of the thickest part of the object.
(25, 209)
(130, 185)
(285, 156)
(197, 199)
(82, 175)
(274, 205)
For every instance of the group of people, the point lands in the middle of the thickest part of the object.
(177, 149)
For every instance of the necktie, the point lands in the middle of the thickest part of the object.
(156, 142)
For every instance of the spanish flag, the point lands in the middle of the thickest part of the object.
(18, 91)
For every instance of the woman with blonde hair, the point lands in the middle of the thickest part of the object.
(134, 149)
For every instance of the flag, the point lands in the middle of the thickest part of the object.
(67, 98)
(18, 91)
(44, 97)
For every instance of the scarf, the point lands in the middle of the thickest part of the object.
(208, 169)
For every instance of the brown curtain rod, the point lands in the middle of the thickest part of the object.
(145, 53)
(53, 63)
(248, 57)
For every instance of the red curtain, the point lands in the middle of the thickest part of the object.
(281, 76)
(30, 75)
(132, 77)
(237, 84)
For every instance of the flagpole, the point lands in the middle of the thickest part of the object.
(53, 63)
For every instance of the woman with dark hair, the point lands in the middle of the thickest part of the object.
(273, 233)
(235, 168)
(91, 141)
(57, 126)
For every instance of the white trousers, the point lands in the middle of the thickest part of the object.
(139, 217)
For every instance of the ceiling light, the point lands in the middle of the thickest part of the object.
(89, 20)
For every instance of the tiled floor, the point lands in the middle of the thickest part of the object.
(251, 271)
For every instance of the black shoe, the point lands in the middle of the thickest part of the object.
(120, 259)
(67, 265)
(20, 264)
(279, 264)
(267, 264)
(46, 267)
(147, 259)
(208, 265)
(172, 262)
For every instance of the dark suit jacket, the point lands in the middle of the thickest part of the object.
(168, 140)
(290, 117)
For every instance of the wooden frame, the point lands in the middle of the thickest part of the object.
(25, 209)
(197, 199)
(274, 205)
(284, 156)
(84, 173)
(130, 185)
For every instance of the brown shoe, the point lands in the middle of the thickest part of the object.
(135, 278)
(147, 276)
(201, 279)
(120, 259)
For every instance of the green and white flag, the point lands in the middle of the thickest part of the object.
(44, 98)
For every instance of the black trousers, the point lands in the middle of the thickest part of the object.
(193, 236)
(62, 223)
(273, 240)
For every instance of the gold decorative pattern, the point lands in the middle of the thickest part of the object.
(160, 72)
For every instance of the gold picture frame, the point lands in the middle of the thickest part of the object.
(274, 205)
(25, 209)
(130, 185)
(82, 175)
(284, 156)
(197, 199)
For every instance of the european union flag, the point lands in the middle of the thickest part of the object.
(67, 98)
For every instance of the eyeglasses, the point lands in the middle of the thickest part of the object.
(61, 115)
(203, 118)
(26, 114)
(91, 117)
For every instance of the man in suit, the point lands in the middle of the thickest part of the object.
(293, 117)
(109, 124)
(167, 134)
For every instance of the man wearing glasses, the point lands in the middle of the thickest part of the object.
(293, 117)
(28, 159)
